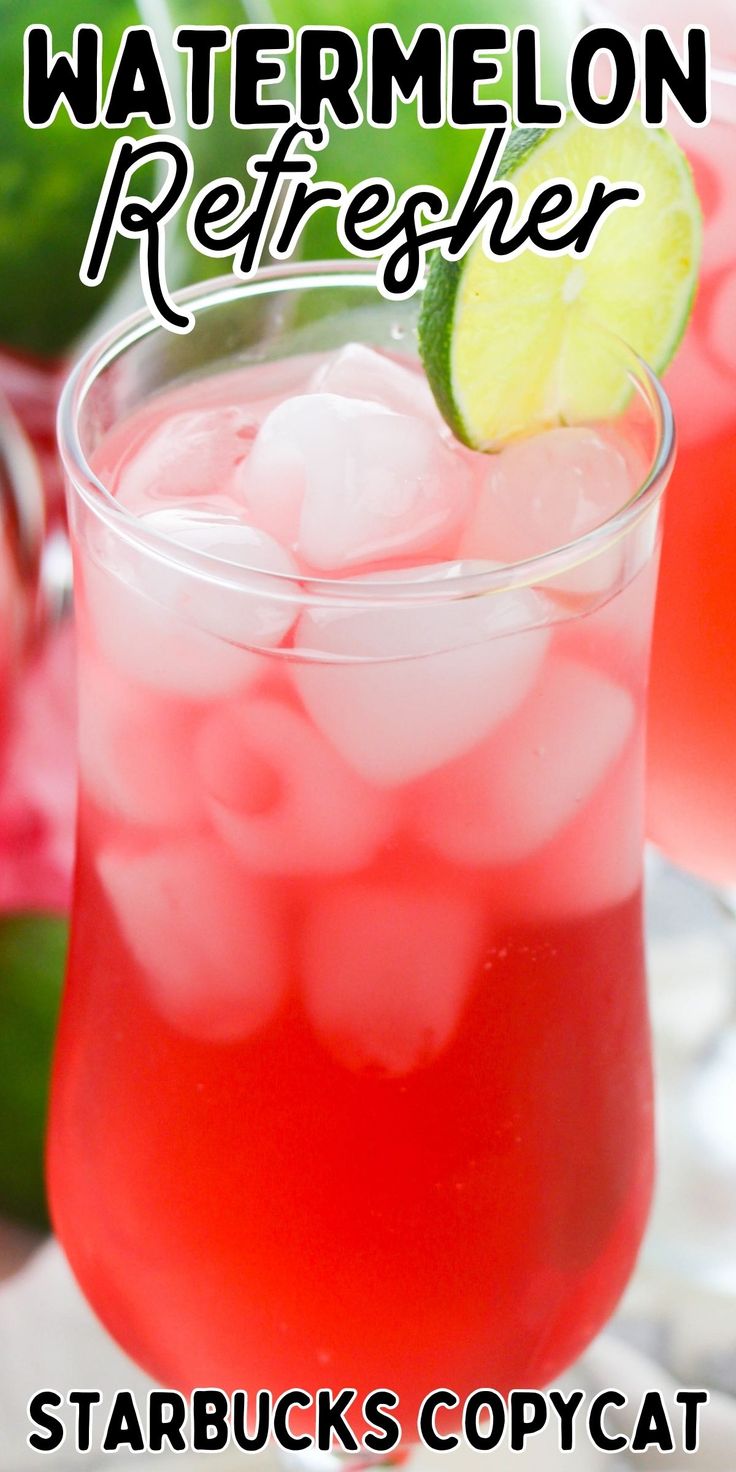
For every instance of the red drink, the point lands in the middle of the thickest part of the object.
(353, 1079)
(692, 723)
(692, 710)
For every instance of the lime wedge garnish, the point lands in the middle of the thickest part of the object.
(507, 344)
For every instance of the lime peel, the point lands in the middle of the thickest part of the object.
(507, 344)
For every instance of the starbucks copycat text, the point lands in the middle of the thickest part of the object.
(211, 1421)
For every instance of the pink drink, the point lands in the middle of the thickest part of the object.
(353, 1081)
(692, 791)
(692, 710)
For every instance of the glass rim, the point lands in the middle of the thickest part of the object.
(723, 70)
(449, 583)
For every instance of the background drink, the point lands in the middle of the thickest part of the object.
(353, 1078)
(692, 706)
(692, 724)
(21, 520)
(692, 719)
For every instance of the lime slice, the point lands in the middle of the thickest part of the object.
(507, 344)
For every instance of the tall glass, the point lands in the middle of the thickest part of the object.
(21, 532)
(691, 782)
(692, 715)
(353, 1077)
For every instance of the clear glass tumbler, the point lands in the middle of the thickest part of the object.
(353, 1077)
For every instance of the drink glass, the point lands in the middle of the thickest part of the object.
(691, 791)
(21, 530)
(352, 1083)
(692, 714)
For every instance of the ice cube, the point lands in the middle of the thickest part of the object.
(518, 790)
(546, 491)
(624, 622)
(400, 690)
(387, 971)
(205, 936)
(135, 750)
(359, 372)
(187, 455)
(282, 798)
(345, 481)
(146, 640)
(258, 611)
(595, 862)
